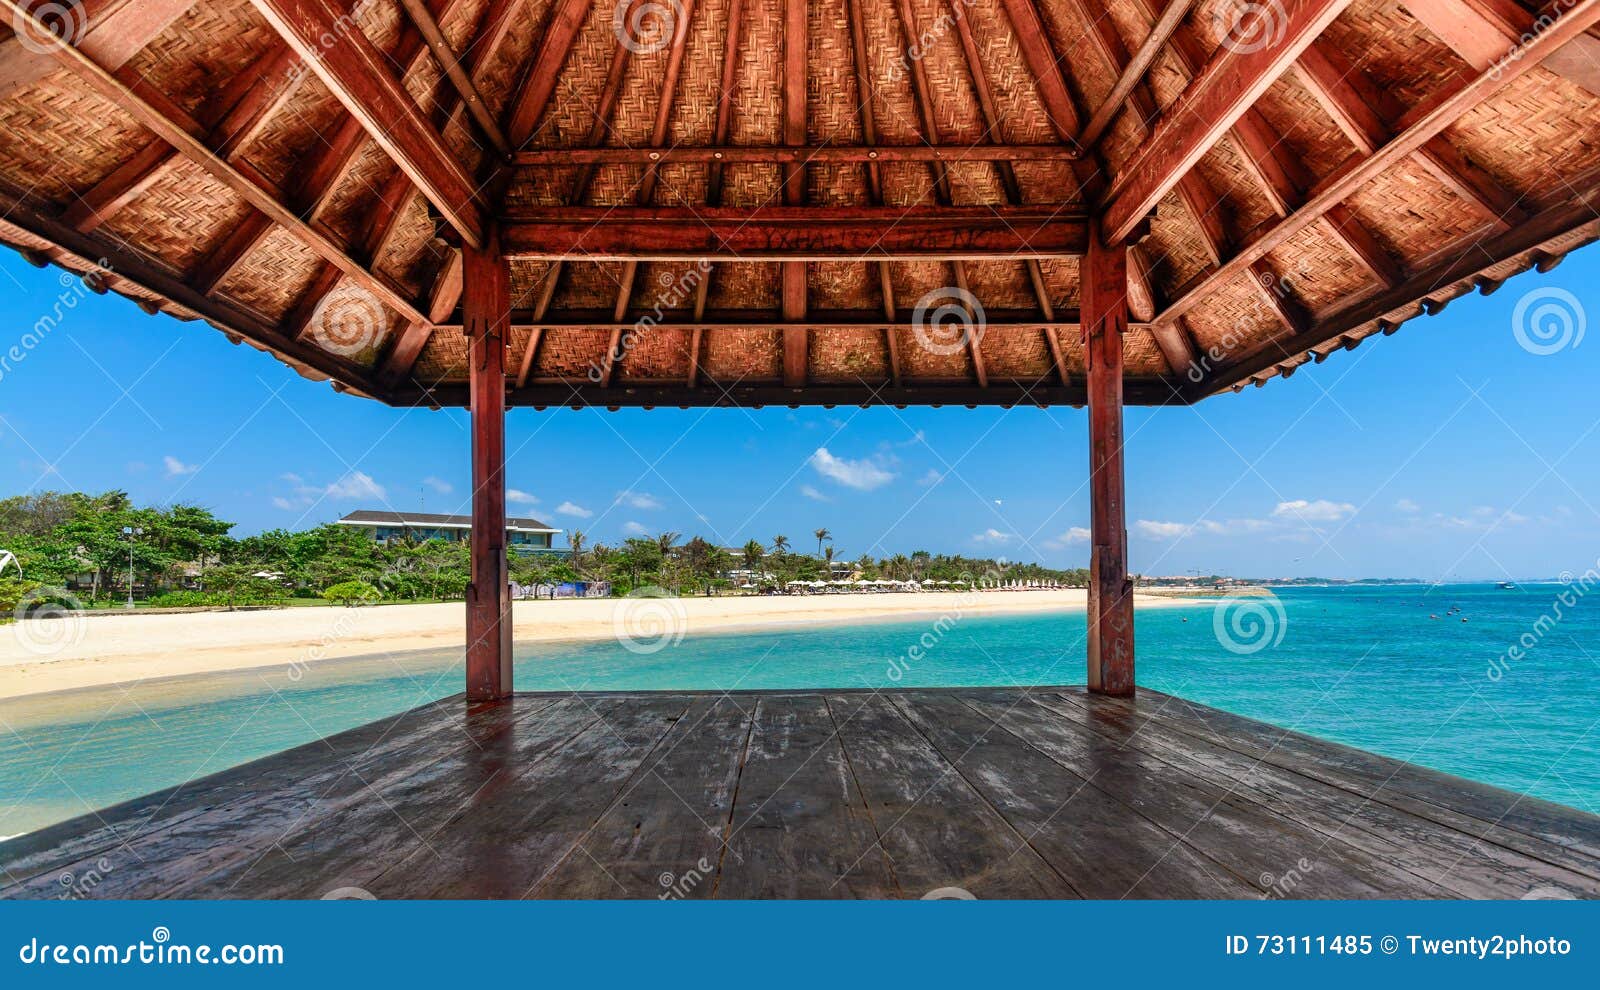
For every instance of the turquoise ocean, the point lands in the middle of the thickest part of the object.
(1420, 673)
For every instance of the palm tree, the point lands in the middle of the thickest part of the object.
(821, 534)
(575, 541)
(752, 560)
(666, 541)
(780, 544)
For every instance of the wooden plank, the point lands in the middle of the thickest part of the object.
(48, 851)
(508, 835)
(445, 54)
(868, 153)
(1104, 294)
(360, 76)
(1276, 855)
(223, 841)
(408, 814)
(1464, 865)
(938, 831)
(796, 233)
(662, 835)
(800, 827)
(111, 32)
(540, 82)
(1101, 845)
(1548, 831)
(486, 311)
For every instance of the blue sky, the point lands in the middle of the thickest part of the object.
(1446, 451)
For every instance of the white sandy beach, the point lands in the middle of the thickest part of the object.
(115, 649)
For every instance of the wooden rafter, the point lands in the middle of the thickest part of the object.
(445, 54)
(1456, 272)
(539, 83)
(973, 60)
(360, 77)
(1486, 32)
(868, 153)
(131, 267)
(871, 172)
(1415, 130)
(792, 283)
(113, 32)
(659, 131)
(168, 121)
(1133, 72)
(1223, 91)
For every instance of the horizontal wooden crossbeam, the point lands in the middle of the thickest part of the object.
(748, 319)
(793, 233)
(582, 393)
(822, 154)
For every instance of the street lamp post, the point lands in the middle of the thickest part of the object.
(130, 532)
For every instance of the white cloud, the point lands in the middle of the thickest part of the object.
(992, 536)
(439, 485)
(1407, 506)
(521, 497)
(355, 485)
(292, 478)
(1320, 510)
(634, 529)
(812, 493)
(1071, 537)
(863, 475)
(931, 478)
(280, 502)
(176, 468)
(573, 509)
(1161, 530)
(638, 500)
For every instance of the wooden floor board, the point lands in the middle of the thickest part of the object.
(800, 827)
(1424, 847)
(991, 792)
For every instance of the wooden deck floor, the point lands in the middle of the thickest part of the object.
(998, 793)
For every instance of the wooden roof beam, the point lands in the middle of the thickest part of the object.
(1133, 72)
(1215, 99)
(1458, 269)
(111, 32)
(795, 233)
(133, 268)
(359, 75)
(872, 173)
(539, 84)
(1416, 129)
(1487, 32)
(867, 153)
(445, 54)
(154, 111)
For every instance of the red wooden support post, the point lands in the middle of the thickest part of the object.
(486, 305)
(1104, 300)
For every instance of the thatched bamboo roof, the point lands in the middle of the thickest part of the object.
(715, 201)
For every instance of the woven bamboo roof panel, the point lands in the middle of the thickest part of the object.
(210, 162)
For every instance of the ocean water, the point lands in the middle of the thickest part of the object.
(1392, 669)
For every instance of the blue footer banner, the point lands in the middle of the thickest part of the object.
(806, 944)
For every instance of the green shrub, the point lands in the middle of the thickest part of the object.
(12, 592)
(352, 593)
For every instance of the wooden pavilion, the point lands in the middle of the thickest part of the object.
(546, 203)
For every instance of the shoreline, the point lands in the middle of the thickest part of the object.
(113, 650)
